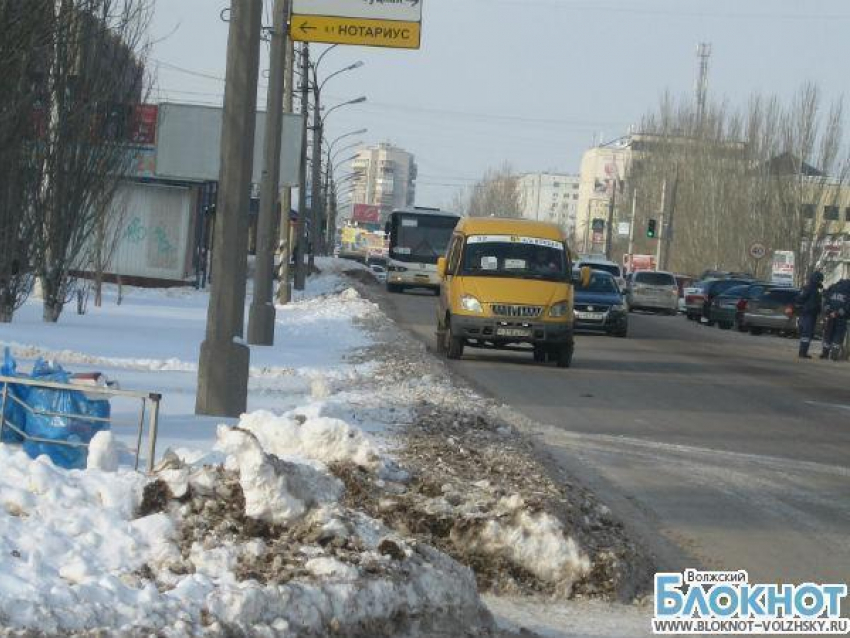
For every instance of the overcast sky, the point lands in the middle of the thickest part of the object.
(531, 82)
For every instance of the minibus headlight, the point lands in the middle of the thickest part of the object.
(559, 310)
(470, 304)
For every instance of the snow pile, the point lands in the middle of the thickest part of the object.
(534, 540)
(68, 543)
(237, 542)
(275, 490)
(315, 437)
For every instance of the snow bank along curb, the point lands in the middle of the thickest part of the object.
(241, 542)
(478, 489)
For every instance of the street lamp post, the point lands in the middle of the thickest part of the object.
(318, 122)
(318, 126)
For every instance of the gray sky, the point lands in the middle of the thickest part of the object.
(531, 82)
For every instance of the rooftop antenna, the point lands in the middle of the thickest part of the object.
(703, 53)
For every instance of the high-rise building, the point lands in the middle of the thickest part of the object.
(384, 176)
(549, 197)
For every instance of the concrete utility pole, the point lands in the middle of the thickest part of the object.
(667, 231)
(301, 231)
(609, 234)
(284, 288)
(632, 229)
(224, 361)
(261, 315)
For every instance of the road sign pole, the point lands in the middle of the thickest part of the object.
(261, 315)
(224, 360)
(301, 232)
(284, 287)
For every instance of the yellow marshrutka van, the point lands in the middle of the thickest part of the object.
(507, 284)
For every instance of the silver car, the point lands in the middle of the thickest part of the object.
(653, 290)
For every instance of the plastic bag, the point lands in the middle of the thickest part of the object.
(14, 412)
(61, 428)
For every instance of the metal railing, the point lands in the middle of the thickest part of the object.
(149, 408)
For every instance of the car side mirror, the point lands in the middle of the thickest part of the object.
(441, 267)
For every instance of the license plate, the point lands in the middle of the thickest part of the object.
(591, 316)
(513, 332)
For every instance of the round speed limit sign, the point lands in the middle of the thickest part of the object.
(758, 250)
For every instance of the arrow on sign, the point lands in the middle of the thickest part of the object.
(305, 28)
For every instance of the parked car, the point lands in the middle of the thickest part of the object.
(694, 298)
(653, 290)
(727, 309)
(600, 263)
(773, 309)
(683, 282)
(716, 287)
(599, 305)
(380, 272)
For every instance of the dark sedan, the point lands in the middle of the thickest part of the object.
(599, 306)
(715, 287)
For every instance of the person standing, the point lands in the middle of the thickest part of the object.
(837, 311)
(808, 304)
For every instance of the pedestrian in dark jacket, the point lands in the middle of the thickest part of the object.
(836, 312)
(808, 305)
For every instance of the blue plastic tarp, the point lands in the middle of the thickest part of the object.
(66, 420)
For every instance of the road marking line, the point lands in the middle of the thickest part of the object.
(837, 406)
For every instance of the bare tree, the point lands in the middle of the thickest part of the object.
(108, 230)
(24, 39)
(96, 78)
(495, 195)
(765, 173)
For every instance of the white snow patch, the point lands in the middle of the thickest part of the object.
(317, 438)
(275, 490)
(535, 541)
(104, 452)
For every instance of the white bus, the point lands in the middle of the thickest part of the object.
(417, 238)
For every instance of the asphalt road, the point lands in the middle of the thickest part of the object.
(719, 450)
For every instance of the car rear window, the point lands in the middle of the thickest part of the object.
(736, 291)
(780, 295)
(655, 278)
(723, 285)
(609, 268)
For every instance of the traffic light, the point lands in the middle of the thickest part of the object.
(650, 229)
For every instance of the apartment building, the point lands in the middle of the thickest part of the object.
(549, 197)
(384, 176)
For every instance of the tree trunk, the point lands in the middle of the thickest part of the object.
(98, 289)
(53, 301)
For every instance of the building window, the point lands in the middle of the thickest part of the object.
(808, 211)
(830, 213)
(847, 214)
(575, 196)
(556, 184)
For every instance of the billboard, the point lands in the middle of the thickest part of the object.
(366, 214)
(189, 145)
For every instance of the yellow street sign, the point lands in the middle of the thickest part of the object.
(339, 30)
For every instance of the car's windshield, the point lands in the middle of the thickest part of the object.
(514, 256)
(599, 282)
(421, 238)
